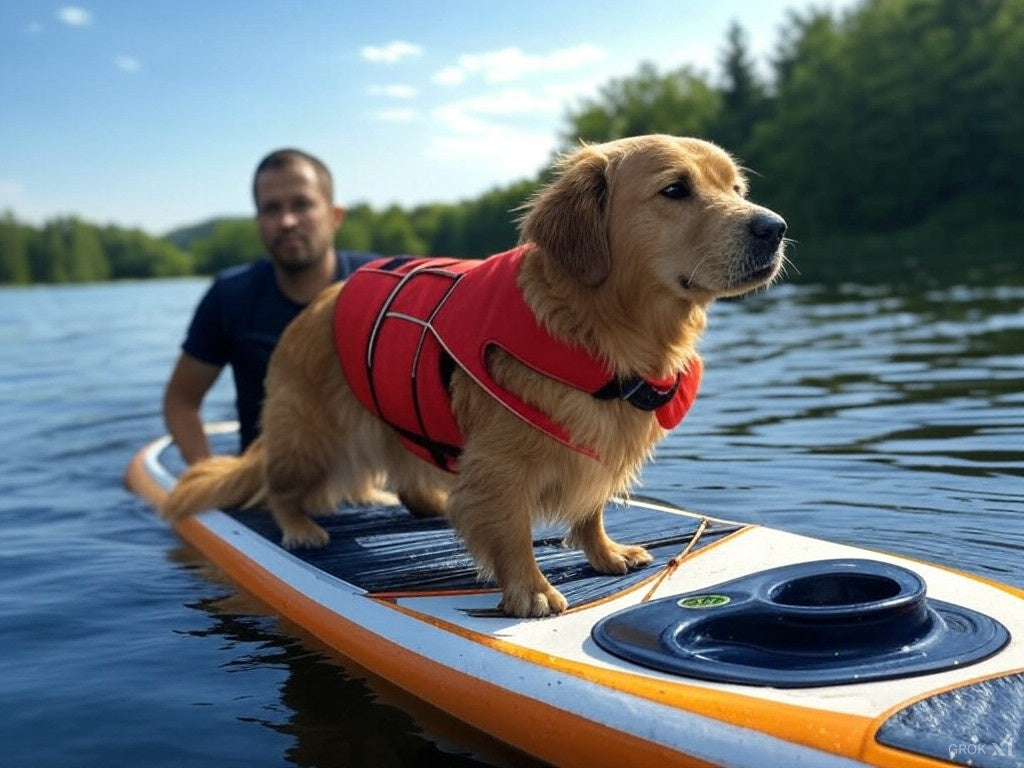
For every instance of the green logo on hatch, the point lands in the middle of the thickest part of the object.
(704, 601)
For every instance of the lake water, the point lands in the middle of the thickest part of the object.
(887, 418)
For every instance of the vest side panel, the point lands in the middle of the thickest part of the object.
(390, 357)
(406, 373)
(433, 399)
(391, 375)
(355, 313)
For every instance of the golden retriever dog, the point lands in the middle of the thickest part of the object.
(627, 247)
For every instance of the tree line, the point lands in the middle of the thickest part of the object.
(887, 136)
(69, 250)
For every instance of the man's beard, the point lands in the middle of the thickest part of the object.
(294, 261)
(294, 268)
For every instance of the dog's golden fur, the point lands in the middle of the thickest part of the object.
(632, 240)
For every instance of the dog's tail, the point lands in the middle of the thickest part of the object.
(218, 482)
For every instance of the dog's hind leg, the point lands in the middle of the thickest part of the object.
(318, 450)
(298, 531)
(304, 446)
(297, 485)
(604, 554)
(424, 502)
(422, 488)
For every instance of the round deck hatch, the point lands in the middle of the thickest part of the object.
(829, 622)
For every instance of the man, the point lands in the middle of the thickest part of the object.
(242, 315)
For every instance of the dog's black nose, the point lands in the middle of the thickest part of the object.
(766, 225)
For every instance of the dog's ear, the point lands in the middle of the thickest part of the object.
(568, 218)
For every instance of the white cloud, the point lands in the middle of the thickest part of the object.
(490, 129)
(508, 131)
(450, 76)
(390, 53)
(570, 90)
(127, 63)
(395, 115)
(460, 118)
(504, 150)
(392, 91)
(33, 27)
(475, 115)
(508, 64)
(74, 16)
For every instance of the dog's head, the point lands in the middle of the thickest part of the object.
(662, 207)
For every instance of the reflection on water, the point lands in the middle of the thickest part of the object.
(335, 711)
(892, 419)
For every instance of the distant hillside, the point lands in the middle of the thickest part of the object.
(183, 237)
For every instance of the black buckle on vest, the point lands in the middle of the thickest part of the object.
(638, 392)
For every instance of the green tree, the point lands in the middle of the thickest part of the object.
(393, 234)
(427, 222)
(135, 255)
(48, 255)
(998, 75)
(126, 252)
(166, 259)
(681, 103)
(67, 250)
(744, 99)
(85, 258)
(14, 262)
(894, 110)
(356, 231)
(490, 222)
(232, 241)
(795, 151)
(448, 230)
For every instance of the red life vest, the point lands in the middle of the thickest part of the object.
(402, 325)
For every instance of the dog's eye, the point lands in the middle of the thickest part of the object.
(678, 190)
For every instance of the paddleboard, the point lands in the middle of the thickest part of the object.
(740, 645)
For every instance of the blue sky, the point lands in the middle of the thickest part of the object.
(153, 114)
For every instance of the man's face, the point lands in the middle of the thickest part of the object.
(296, 220)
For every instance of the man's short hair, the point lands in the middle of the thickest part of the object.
(282, 158)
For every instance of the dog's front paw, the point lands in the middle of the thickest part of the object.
(617, 559)
(305, 535)
(530, 604)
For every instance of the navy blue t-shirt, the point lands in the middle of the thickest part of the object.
(238, 322)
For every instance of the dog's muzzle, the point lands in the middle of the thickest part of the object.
(762, 256)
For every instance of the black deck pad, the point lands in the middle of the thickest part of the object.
(386, 550)
(979, 724)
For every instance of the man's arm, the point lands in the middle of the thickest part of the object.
(190, 380)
